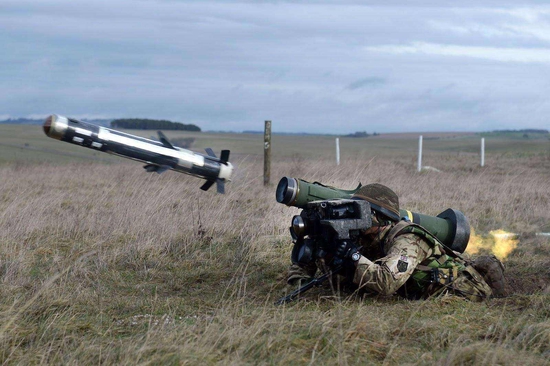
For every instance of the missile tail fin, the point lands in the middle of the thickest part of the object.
(156, 168)
(220, 185)
(210, 152)
(207, 185)
(165, 141)
(224, 157)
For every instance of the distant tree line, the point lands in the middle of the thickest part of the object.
(152, 124)
(526, 130)
(361, 134)
(23, 121)
(258, 132)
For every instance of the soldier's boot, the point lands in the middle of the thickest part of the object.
(492, 270)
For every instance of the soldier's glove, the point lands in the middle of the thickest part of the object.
(298, 274)
(346, 253)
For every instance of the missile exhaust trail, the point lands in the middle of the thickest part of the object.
(158, 156)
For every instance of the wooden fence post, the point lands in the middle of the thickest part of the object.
(267, 153)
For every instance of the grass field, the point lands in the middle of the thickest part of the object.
(102, 263)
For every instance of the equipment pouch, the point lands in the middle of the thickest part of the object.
(446, 275)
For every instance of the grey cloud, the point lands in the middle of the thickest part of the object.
(307, 66)
(366, 82)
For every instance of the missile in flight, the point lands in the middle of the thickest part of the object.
(158, 156)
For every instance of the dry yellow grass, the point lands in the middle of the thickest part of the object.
(107, 264)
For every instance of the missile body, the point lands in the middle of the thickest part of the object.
(158, 156)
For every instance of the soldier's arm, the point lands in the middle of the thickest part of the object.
(386, 275)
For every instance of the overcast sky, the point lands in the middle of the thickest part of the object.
(317, 66)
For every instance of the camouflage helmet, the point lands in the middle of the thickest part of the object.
(381, 198)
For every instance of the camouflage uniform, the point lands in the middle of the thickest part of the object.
(387, 274)
(406, 269)
(411, 261)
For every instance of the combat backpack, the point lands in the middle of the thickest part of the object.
(438, 271)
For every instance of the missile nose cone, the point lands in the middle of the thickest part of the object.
(55, 126)
(48, 125)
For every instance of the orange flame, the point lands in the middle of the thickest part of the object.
(499, 242)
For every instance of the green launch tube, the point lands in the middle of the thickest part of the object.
(451, 227)
(298, 192)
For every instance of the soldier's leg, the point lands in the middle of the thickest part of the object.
(471, 285)
(492, 271)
